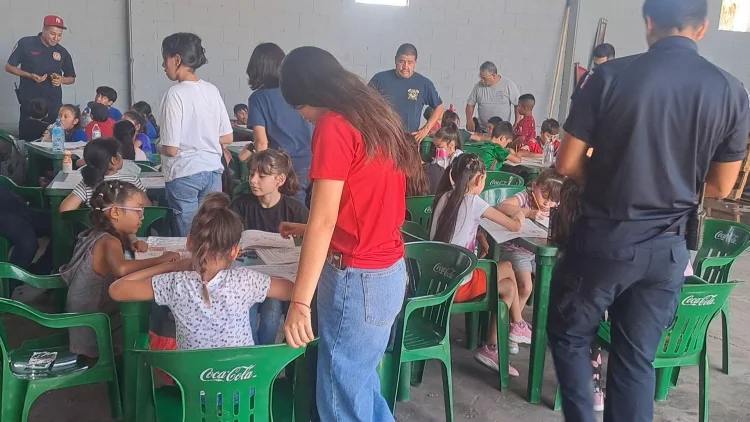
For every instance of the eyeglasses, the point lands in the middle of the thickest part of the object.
(137, 209)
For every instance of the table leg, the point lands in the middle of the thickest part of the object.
(135, 376)
(62, 244)
(544, 266)
(33, 171)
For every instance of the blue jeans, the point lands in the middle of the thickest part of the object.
(356, 309)
(185, 194)
(640, 286)
(303, 175)
(270, 318)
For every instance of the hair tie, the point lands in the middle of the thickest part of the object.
(97, 209)
(101, 194)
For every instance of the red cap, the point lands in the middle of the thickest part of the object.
(53, 20)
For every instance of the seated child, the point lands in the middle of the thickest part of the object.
(107, 96)
(273, 185)
(535, 147)
(534, 204)
(451, 117)
(496, 152)
(491, 123)
(209, 300)
(103, 162)
(125, 135)
(70, 117)
(458, 210)
(22, 225)
(448, 145)
(525, 129)
(35, 125)
(142, 141)
(433, 171)
(99, 257)
(240, 115)
(144, 109)
(100, 118)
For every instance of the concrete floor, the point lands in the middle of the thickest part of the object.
(478, 399)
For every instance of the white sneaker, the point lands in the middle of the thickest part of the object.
(513, 348)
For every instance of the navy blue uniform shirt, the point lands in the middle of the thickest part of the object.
(408, 96)
(656, 121)
(35, 57)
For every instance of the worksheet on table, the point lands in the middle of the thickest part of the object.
(259, 239)
(501, 235)
(287, 271)
(276, 256)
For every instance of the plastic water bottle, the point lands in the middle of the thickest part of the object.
(96, 132)
(549, 154)
(58, 137)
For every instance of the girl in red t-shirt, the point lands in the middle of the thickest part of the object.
(352, 250)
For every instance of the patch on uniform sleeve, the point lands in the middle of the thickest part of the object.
(14, 48)
(586, 79)
(56, 55)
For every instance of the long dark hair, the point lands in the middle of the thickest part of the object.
(107, 194)
(273, 161)
(137, 118)
(144, 109)
(264, 64)
(419, 185)
(215, 230)
(312, 76)
(455, 184)
(449, 133)
(188, 46)
(124, 132)
(567, 212)
(98, 155)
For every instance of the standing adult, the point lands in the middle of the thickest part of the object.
(352, 250)
(409, 92)
(496, 96)
(195, 125)
(602, 54)
(657, 137)
(275, 123)
(43, 66)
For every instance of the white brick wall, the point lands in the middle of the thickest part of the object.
(97, 40)
(453, 37)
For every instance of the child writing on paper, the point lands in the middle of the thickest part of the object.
(534, 204)
(99, 257)
(496, 152)
(458, 210)
(273, 184)
(535, 147)
(210, 301)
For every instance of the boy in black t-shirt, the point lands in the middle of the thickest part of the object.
(33, 127)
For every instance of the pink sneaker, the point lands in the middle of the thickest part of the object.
(520, 332)
(487, 356)
(599, 402)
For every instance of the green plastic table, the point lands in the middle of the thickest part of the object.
(546, 257)
(529, 169)
(39, 153)
(62, 185)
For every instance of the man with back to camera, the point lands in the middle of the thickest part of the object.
(409, 92)
(657, 136)
(602, 54)
(43, 66)
(495, 96)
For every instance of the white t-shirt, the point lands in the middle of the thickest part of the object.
(140, 155)
(467, 221)
(193, 117)
(226, 323)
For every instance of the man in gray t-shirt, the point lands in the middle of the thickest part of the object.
(495, 95)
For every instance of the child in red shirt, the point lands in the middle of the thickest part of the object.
(535, 147)
(100, 117)
(526, 127)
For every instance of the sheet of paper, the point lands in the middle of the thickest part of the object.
(287, 271)
(543, 221)
(501, 235)
(68, 145)
(279, 255)
(259, 239)
(158, 245)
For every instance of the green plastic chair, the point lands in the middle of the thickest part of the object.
(34, 196)
(495, 195)
(78, 220)
(413, 232)
(146, 166)
(424, 149)
(46, 282)
(684, 342)
(20, 390)
(500, 178)
(435, 271)
(241, 189)
(230, 384)
(723, 242)
(419, 210)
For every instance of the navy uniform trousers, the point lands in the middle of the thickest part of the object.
(640, 286)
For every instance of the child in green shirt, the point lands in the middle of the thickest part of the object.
(495, 152)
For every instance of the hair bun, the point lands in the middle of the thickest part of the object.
(216, 201)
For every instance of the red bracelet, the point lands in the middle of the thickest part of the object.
(296, 305)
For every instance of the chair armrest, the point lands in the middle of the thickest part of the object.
(414, 303)
(10, 271)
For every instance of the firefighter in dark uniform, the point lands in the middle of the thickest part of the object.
(661, 124)
(43, 66)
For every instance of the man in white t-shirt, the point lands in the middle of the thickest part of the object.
(495, 96)
(195, 125)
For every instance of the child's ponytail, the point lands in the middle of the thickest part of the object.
(215, 231)
(272, 161)
(98, 155)
(455, 184)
